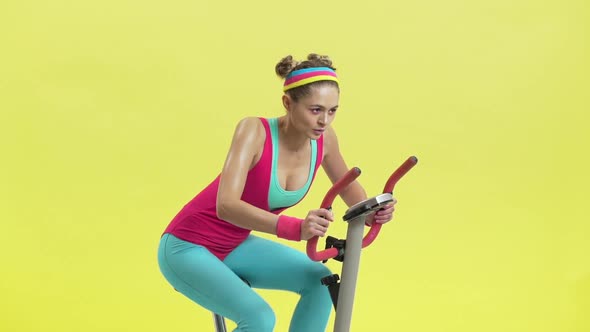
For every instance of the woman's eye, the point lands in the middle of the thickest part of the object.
(315, 110)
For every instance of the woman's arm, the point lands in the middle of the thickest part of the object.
(247, 143)
(335, 168)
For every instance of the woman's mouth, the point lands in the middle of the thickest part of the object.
(318, 131)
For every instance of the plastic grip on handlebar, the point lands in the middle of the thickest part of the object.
(340, 185)
(388, 188)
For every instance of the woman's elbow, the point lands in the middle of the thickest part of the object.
(224, 208)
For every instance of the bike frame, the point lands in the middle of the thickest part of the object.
(355, 216)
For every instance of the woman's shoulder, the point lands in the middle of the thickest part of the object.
(330, 141)
(251, 126)
(251, 122)
(330, 136)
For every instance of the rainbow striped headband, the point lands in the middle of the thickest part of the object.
(304, 76)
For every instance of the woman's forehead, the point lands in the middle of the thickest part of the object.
(323, 94)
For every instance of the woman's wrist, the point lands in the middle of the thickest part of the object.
(289, 228)
(370, 219)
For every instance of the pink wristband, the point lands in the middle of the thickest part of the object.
(289, 228)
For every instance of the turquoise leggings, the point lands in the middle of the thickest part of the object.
(216, 285)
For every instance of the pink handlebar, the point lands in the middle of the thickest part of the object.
(348, 178)
(312, 243)
(389, 185)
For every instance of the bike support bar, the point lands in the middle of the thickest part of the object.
(355, 216)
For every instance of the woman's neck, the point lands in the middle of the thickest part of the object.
(290, 138)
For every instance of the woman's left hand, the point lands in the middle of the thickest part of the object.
(383, 215)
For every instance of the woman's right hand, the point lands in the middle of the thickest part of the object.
(316, 223)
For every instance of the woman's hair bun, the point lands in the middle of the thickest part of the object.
(288, 64)
(284, 67)
(320, 60)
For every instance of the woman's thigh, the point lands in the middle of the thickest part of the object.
(272, 265)
(198, 274)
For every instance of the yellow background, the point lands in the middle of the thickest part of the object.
(115, 113)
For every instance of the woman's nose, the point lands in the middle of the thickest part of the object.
(323, 119)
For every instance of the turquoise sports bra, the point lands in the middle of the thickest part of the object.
(277, 196)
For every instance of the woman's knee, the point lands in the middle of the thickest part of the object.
(319, 271)
(314, 274)
(258, 318)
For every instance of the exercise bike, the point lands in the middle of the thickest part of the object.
(348, 251)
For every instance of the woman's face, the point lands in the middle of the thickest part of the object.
(312, 114)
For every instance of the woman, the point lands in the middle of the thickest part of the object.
(208, 248)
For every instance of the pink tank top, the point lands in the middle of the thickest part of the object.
(197, 221)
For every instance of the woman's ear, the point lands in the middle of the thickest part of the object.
(287, 102)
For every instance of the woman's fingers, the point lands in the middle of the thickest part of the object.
(324, 213)
(386, 213)
(317, 222)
